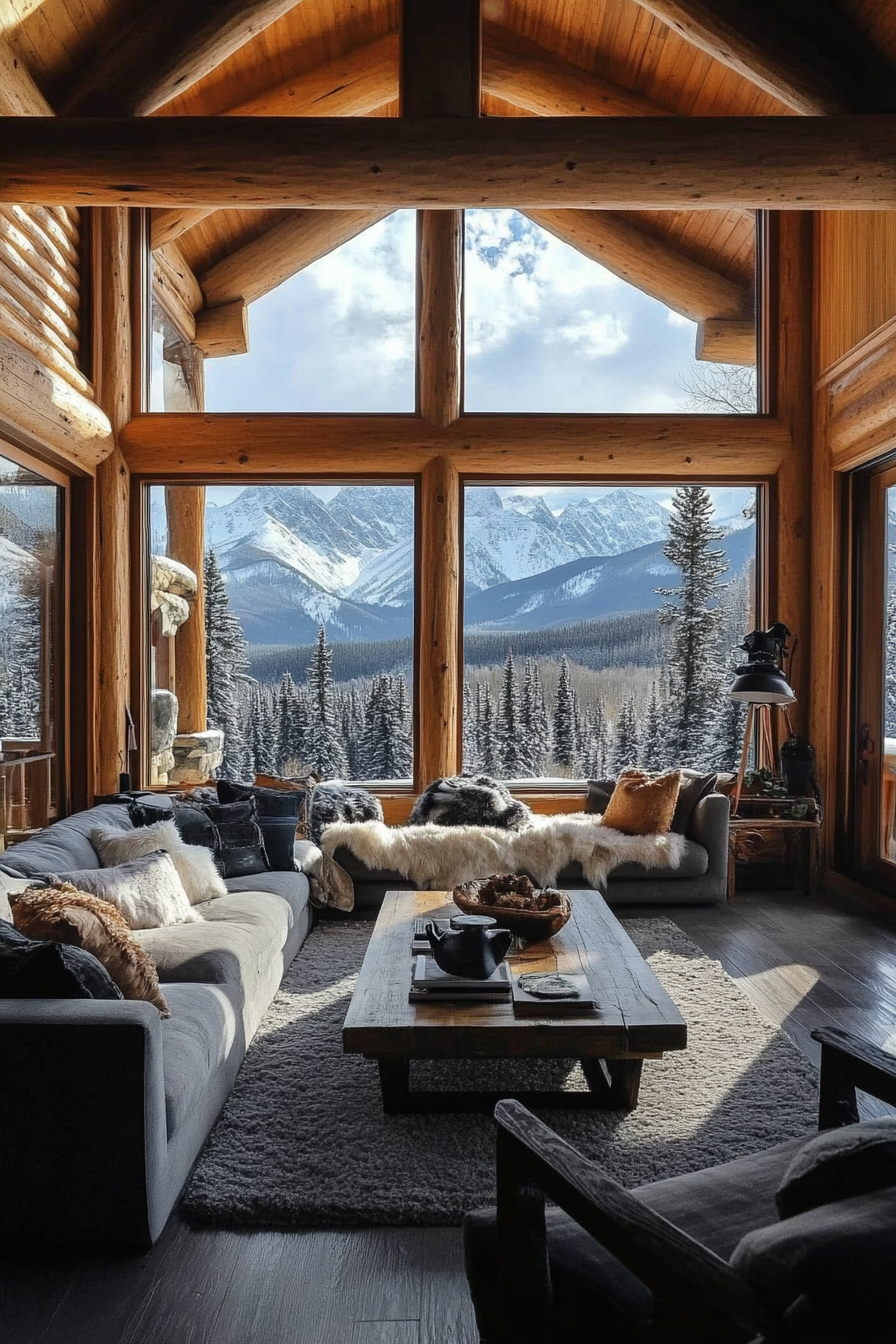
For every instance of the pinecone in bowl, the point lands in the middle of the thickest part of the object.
(512, 900)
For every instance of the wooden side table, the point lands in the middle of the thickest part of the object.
(750, 838)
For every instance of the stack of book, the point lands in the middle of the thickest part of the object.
(430, 984)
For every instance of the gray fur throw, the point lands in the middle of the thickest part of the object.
(335, 801)
(470, 800)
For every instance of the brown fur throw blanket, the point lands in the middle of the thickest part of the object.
(440, 858)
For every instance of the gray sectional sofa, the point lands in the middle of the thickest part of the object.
(700, 879)
(104, 1106)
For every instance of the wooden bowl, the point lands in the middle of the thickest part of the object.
(532, 925)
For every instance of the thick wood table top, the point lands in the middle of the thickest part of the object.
(635, 1017)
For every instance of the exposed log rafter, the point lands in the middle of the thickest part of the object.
(362, 81)
(19, 94)
(810, 56)
(165, 49)
(661, 270)
(166, 226)
(286, 248)
(617, 163)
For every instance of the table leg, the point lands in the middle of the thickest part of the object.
(395, 1078)
(615, 1082)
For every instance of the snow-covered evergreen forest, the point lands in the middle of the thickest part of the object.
(27, 564)
(567, 701)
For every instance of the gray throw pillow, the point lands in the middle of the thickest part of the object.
(147, 890)
(692, 788)
(837, 1164)
(600, 791)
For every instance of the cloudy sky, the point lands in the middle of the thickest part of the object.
(546, 330)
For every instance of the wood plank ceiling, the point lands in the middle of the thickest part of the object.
(340, 57)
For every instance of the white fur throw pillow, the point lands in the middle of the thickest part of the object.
(194, 863)
(147, 891)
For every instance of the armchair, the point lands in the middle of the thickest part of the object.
(703, 1257)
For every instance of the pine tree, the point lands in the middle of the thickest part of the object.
(488, 755)
(507, 735)
(470, 753)
(565, 745)
(594, 760)
(262, 737)
(404, 742)
(694, 617)
(653, 744)
(226, 663)
(324, 754)
(291, 727)
(535, 738)
(626, 748)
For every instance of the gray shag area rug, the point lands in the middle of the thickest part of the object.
(303, 1141)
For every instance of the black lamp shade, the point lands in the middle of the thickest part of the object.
(761, 684)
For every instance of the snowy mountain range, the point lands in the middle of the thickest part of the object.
(292, 559)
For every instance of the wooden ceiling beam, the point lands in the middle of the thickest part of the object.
(245, 446)
(19, 94)
(166, 226)
(261, 265)
(810, 56)
(615, 163)
(352, 85)
(726, 340)
(166, 48)
(651, 264)
(528, 76)
(223, 331)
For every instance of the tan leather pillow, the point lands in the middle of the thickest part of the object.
(66, 915)
(643, 804)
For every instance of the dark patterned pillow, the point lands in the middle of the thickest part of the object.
(230, 830)
(36, 969)
(278, 818)
(302, 785)
(600, 791)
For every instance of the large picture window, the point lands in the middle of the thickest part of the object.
(31, 522)
(600, 627)
(306, 596)
(598, 313)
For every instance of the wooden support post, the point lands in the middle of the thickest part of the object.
(438, 606)
(185, 508)
(440, 323)
(440, 75)
(791, 321)
(113, 624)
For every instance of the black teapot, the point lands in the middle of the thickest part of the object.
(472, 946)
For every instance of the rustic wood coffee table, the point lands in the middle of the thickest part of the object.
(635, 1018)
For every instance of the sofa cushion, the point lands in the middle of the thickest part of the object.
(643, 803)
(32, 969)
(147, 891)
(841, 1256)
(70, 916)
(194, 863)
(719, 1205)
(692, 788)
(64, 844)
(202, 1033)
(279, 812)
(839, 1163)
(241, 934)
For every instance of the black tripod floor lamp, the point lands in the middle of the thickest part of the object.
(760, 684)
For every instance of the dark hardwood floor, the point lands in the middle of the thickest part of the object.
(803, 961)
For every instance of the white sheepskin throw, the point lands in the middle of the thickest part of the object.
(440, 857)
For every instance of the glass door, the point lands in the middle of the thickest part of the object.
(874, 637)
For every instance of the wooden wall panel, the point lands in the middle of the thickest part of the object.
(857, 271)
